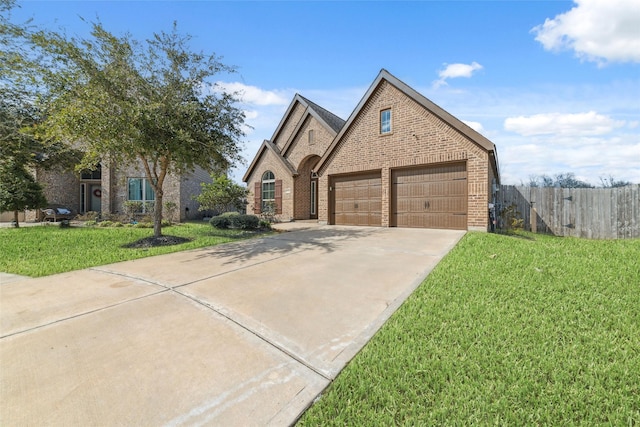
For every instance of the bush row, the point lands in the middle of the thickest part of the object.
(238, 221)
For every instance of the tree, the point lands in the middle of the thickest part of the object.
(151, 103)
(562, 180)
(611, 182)
(19, 190)
(222, 195)
(19, 150)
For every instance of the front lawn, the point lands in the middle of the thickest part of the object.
(528, 330)
(43, 250)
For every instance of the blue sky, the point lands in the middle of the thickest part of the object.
(554, 84)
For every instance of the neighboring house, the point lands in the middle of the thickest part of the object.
(105, 190)
(398, 161)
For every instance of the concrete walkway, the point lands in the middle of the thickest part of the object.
(239, 334)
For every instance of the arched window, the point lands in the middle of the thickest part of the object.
(268, 191)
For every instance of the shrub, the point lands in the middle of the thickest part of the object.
(105, 223)
(221, 222)
(229, 214)
(512, 218)
(91, 223)
(144, 224)
(269, 212)
(235, 220)
(132, 207)
(244, 222)
(265, 224)
(88, 216)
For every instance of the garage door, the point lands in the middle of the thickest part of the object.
(430, 197)
(357, 200)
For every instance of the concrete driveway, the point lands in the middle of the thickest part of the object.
(247, 333)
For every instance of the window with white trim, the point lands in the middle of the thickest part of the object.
(385, 121)
(268, 191)
(140, 190)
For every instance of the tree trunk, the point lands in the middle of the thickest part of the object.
(15, 218)
(157, 215)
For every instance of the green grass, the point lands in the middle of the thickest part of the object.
(41, 251)
(529, 330)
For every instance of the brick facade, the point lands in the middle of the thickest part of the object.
(422, 134)
(64, 188)
(291, 158)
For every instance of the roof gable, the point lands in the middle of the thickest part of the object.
(452, 121)
(267, 146)
(327, 119)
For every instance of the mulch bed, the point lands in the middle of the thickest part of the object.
(150, 242)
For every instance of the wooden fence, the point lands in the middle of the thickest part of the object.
(595, 213)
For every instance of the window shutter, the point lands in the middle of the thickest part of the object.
(278, 196)
(257, 197)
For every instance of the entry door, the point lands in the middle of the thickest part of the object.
(95, 198)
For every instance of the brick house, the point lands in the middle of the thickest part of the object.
(399, 160)
(105, 190)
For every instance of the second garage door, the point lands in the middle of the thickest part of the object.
(430, 197)
(357, 200)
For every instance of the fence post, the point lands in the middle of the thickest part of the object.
(533, 216)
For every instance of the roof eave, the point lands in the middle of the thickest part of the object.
(268, 145)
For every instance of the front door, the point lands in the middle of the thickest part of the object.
(95, 198)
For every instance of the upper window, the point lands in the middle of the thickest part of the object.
(385, 121)
(94, 174)
(311, 136)
(268, 191)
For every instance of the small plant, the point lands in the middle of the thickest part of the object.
(269, 212)
(65, 223)
(148, 208)
(88, 216)
(131, 208)
(266, 225)
(512, 218)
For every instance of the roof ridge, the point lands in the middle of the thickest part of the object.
(336, 122)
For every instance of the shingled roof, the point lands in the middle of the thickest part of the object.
(331, 119)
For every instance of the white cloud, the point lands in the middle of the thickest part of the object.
(452, 71)
(254, 95)
(597, 30)
(601, 139)
(590, 123)
(549, 155)
(477, 126)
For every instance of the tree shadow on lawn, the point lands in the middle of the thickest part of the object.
(283, 243)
